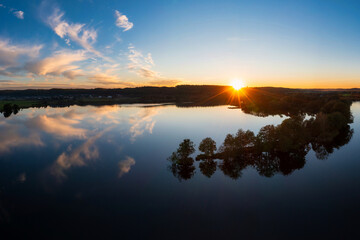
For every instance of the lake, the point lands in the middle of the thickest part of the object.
(104, 172)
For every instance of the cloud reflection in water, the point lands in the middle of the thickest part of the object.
(58, 128)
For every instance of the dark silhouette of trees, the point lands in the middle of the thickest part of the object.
(208, 167)
(182, 165)
(275, 149)
(208, 146)
(260, 101)
(9, 109)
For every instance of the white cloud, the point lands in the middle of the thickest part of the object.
(60, 63)
(19, 14)
(73, 31)
(10, 55)
(122, 21)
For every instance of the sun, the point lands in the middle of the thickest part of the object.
(237, 84)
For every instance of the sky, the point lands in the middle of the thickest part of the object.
(115, 43)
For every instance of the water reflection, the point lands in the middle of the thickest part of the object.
(125, 166)
(73, 134)
(182, 165)
(9, 109)
(275, 149)
(77, 157)
(83, 162)
(57, 125)
(15, 135)
(142, 121)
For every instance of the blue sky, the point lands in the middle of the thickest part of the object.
(91, 43)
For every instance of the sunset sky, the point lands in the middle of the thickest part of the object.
(115, 43)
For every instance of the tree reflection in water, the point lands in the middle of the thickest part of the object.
(182, 165)
(275, 149)
(8, 109)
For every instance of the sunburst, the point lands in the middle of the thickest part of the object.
(237, 84)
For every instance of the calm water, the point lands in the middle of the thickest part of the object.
(102, 172)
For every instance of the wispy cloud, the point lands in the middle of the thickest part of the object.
(56, 66)
(76, 32)
(122, 21)
(141, 64)
(19, 14)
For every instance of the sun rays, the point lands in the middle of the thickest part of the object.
(237, 84)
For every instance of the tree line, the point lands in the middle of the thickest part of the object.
(275, 149)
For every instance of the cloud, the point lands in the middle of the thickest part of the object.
(6, 73)
(142, 121)
(167, 83)
(19, 14)
(125, 165)
(73, 31)
(122, 21)
(57, 126)
(72, 74)
(145, 72)
(14, 135)
(10, 54)
(18, 85)
(106, 79)
(107, 115)
(60, 63)
(77, 157)
(141, 64)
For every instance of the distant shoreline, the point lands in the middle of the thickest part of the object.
(184, 95)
